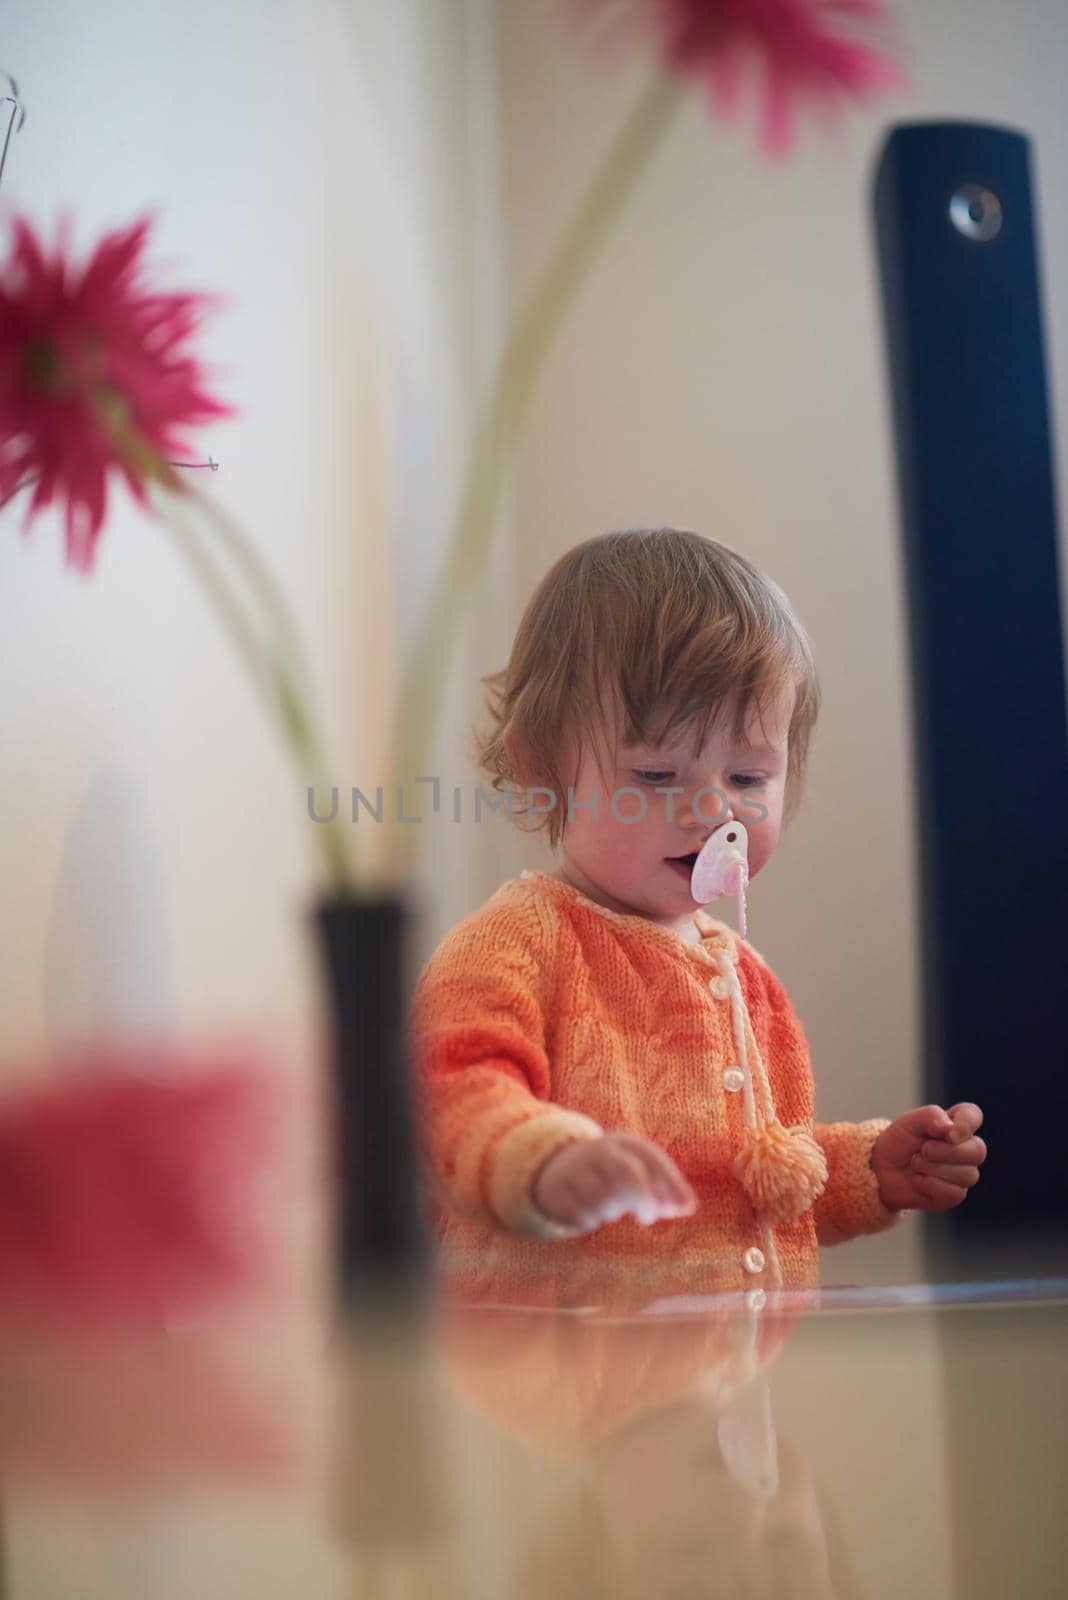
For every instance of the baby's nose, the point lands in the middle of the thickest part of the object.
(707, 812)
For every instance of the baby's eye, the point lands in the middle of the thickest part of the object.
(745, 780)
(654, 777)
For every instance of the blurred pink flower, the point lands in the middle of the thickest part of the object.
(93, 377)
(807, 51)
(125, 1411)
(145, 1184)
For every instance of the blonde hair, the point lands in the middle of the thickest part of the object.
(626, 624)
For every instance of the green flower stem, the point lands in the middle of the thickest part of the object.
(272, 678)
(258, 575)
(520, 368)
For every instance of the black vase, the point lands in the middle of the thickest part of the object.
(380, 1241)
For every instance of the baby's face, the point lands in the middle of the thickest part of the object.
(637, 856)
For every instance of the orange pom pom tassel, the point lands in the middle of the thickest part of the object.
(782, 1170)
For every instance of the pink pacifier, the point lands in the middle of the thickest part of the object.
(722, 867)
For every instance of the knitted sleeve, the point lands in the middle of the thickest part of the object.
(850, 1203)
(478, 1035)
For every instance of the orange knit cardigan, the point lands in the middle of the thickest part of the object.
(543, 1018)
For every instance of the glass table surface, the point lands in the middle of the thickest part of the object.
(887, 1442)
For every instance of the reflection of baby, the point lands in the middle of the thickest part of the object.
(696, 1503)
(564, 1381)
(692, 1502)
(592, 1049)
(649, 1463)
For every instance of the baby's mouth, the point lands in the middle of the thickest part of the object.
(684, 863)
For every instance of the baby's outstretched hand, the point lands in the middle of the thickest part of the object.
(600, 1180)
(928, 1159)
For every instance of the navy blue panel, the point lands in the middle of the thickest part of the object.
(964, 337)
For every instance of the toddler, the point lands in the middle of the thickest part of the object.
(607, 1074)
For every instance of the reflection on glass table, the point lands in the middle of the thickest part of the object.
(855, 1443)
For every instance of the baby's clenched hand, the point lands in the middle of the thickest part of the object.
(600, 1180)
(928, 1159)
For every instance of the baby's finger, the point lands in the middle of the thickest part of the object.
(964, 1177)
(630, 1185)
(616, 1164)
(925, 1122)
(669, 1182)
(579, 1205)
(941, 1196)
(661, 1172)
(967, 1119)
(614, 1185)
(972, 1152)
(568, 1212)
(665, 1177)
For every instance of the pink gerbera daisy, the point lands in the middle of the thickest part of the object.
(93, 377)
(139, 1181)
(807, 51)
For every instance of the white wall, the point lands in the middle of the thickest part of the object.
(724, 371)
(331, 169)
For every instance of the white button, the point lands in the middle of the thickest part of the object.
(733, 1079)
(720, 988)
(753, 1260)
(756, 1300)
